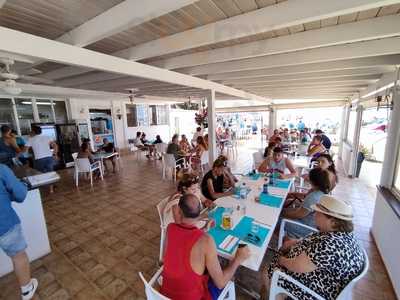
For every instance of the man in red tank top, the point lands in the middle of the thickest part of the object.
(191, 264)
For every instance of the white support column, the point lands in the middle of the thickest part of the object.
(392, 142)
(271, 121)
(15, 112)
(356, 139)
(212, 126)
(35, 111)
(343, 128)
(53, 112)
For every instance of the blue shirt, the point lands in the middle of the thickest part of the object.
(7, 153)
(311, 199)
(11, 189)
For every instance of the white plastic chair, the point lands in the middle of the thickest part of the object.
(74, 155)
(160, 208)
(169, 162)
(257, 159)
(83, 165)
(275, 290)
(161, 148)
(204, 162)
(228, 292)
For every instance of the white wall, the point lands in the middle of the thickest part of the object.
(186, 123)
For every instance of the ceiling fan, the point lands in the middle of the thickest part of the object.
(132, 94)
(9, 77)
(10, 85)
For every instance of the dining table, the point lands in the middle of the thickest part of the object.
(258, 210)
(101, 156)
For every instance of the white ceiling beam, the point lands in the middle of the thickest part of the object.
(16, 57)
(120, 17)
(377, 61)
(361, 78)
(314, 75)
(328, 36)
(54, 91)
(27, 44)
(2, 2)
(65, 72)
(315, 103)
(379, 47)
(88, 78)
(384, 81)
(282, 15)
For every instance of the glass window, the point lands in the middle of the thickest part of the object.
(7, 114)
(45, 111)
(131, 115)
(60, 112)
(142, 115)
(158, 115)
(352, 126)
(25, 115)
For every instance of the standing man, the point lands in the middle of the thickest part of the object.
(12, 240)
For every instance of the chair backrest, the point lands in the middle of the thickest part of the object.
(346, 293)
(160, 208)
(82, 164)
(204, 158)
(161, 147)
(74, 155)
(151, 293)
(257, 158)
(169, 160)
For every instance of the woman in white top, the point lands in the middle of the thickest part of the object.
(278, 164)
(188, 184)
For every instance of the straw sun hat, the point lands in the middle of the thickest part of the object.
(333, 207)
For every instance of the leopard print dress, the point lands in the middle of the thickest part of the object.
(337, 256)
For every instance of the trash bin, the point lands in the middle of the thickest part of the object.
(360, 159)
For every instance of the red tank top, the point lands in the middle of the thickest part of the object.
(180, 282)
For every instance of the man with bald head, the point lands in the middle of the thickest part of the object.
(191, 267)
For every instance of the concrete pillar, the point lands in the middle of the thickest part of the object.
(271, 121)
(392, 142)
(212, 126)
(35, 111)
(15, 113)
(356, 139)
(343, 128)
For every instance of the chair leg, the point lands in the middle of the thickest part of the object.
(101, 173)
(76, 178)
(91, 178)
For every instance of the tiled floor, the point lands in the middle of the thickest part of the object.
(102, 237)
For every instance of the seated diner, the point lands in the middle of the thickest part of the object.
(325, 261)
(212, 185)
(191, 267)
(278, 164)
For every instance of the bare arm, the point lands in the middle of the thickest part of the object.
(55, 148)
(291, 168)
(213, 193)
(221, 277)
(263, 168)
(299, 264)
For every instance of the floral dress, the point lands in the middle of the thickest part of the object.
(338, 259)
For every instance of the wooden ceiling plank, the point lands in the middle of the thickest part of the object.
(209, 8)
(312, 25)
(344, 19)
(198, 14)
(246, 5)
(389, 10)
(228, 7)
(329, 22)
(265, 3)
(296, 29)
(368, 14)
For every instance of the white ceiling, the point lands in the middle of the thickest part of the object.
(290, 51)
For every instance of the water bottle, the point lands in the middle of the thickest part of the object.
(265, 188)
(243, 191)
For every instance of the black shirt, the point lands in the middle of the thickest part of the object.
(326, 142)
(109, 148)
(218, 184)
